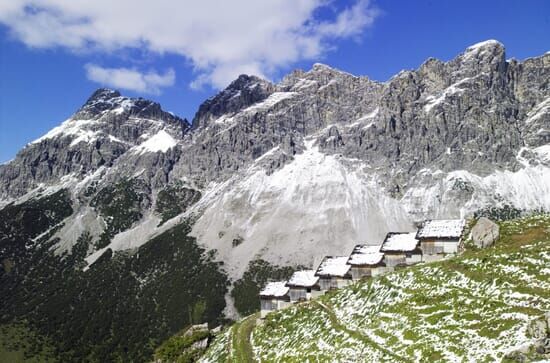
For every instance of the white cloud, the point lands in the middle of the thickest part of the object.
(130, 79)
(219, 38)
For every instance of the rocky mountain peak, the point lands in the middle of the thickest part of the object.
(106, 101)
(490, 51)
(485, 57)
(102, 94)
(487, 45)
(241, 93)
(324, 73)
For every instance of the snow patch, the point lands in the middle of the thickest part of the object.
(527, 189)
(316, 205)
(365, 255)
(271, 101)
(433, 101)
(333, 266)
(538, 111)
(400, 242)
(276, 289)
(161, 141)
(70, 127)
(446, 228)
(304, 278)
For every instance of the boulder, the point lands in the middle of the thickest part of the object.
(538, 329)
(485, 232)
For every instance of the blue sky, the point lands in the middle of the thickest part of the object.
(55, 53)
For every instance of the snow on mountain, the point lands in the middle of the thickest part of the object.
(314, 206)
(161, 141)
(310, 166)
(460, 193)
(70, 127)
(539, 111)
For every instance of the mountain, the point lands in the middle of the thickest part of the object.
(485, 305)
(268, 176)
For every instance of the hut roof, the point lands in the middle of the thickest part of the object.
(274, 289)
(333, 266)
(304, 278)
(442, 228)
(399, 242)
(365, 255)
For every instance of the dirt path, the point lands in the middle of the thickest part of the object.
(339, 326)
(241, 349)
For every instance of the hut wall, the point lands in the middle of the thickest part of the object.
(298, 294)
(413, 258)
(432, 247)
(358, 272)
(395, 259)
(431, 258)
(329, 283)
(380, 270)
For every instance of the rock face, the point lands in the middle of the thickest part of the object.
(106, 128)
(485, 233)
(308, 166)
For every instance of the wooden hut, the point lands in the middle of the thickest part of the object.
(401, 249)
(333, 273)
(303, 285)
(366, 261)
(439, 238)
(274, 296)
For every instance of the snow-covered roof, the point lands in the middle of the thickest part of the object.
(365, 255)
(443, 228)
(304, 278)
(399, 242)
(274, 289)
(333, 266)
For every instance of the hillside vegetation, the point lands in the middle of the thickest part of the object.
(475, 307)
(119, 310)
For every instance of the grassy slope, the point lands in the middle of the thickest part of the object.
(120, 309)
(233, 345)
(19, 344)
(475, 307)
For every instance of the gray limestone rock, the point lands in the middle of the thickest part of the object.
(445, 140)
(485, 232)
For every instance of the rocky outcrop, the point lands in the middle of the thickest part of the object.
(485, 233)
(241, 93)
(107, 127)
(351, 156)
(539, 331)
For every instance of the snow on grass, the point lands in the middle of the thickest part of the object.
(470, 308)
(218, 349)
